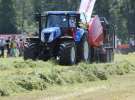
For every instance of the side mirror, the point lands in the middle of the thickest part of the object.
(37, 17)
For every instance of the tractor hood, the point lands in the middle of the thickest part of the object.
(48, 35)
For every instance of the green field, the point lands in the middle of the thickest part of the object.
(19, 76)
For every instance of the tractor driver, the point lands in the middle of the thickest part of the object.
(72, 22)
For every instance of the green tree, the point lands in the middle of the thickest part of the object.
(48, 5)
(118, 12)
(129, 13)
(7, 17)
(24, 15)
(102, 8)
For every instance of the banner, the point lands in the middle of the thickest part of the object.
(87, 7)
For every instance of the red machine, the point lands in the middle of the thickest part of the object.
(95, 29)
(101, 35)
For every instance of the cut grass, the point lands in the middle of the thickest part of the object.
(17, 75)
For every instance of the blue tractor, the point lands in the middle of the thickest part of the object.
(61, 36)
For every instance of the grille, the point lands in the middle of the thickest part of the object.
(47, 35)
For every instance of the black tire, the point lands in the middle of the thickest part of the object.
(30, 52)
(84, 50)
(67, 53)
(109, 56)
(44, 55)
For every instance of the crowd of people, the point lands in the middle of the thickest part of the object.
(11, 47)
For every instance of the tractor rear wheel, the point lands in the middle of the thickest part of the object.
(67, 53)
(30, 52)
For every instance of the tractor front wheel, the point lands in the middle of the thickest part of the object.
(67, 53)
(84, 50)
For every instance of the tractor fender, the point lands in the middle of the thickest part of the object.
(79, 34)
(32, 45)
(66, 38)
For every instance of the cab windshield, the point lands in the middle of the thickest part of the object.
(57, 21)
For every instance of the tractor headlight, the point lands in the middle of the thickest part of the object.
(51, 37)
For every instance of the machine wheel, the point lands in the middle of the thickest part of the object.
(109, 55)
(67, 53)
(84, 51)
(30, 52)
(44, 55)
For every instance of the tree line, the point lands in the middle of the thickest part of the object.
(17, 15)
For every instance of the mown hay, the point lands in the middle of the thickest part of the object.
(29, 75)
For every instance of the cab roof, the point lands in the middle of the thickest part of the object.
(61, 13)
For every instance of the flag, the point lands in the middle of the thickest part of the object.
(87, 7)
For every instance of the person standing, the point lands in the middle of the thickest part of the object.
(2, 46)
(8, 46)
(21, 47)
(13, 46)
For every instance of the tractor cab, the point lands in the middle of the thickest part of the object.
(53, 24)
(64, 19)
